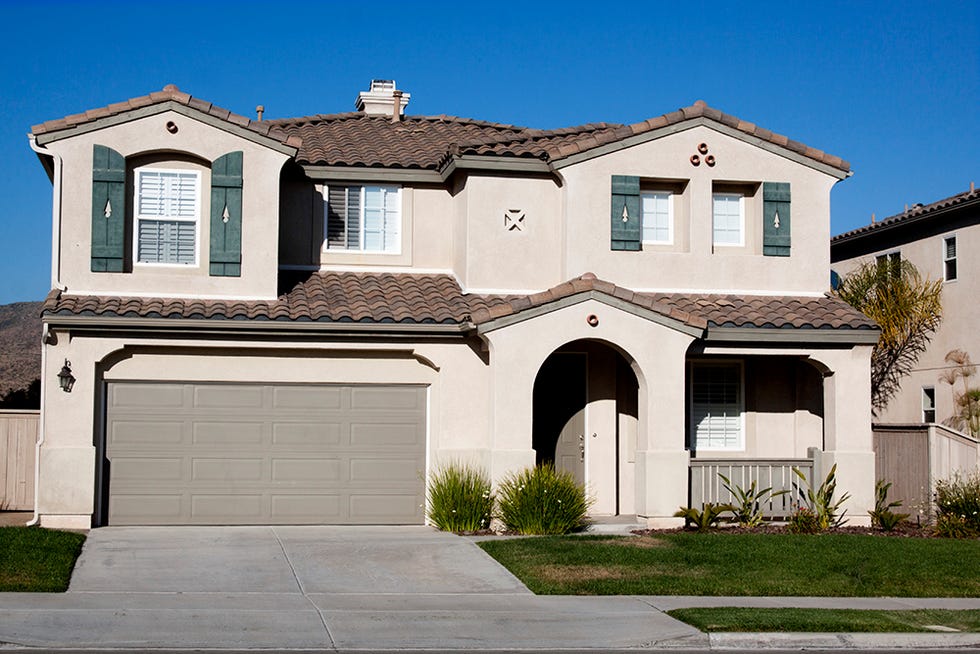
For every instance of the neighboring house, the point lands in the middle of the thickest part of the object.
(294, 321)
(941, 239)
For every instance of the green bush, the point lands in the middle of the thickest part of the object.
(542, 500)
(958, 505)
(460, 498)
(706, 518)
(804, 521)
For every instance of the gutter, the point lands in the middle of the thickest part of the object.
(55, 210)
(252, 326)
(766, 335)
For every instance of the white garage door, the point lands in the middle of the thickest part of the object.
(264, 454)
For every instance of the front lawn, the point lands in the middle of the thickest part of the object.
(826, 620)
(37, 560)
(683, 563)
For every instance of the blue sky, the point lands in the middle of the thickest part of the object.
(893, 87)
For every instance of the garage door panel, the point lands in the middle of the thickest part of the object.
(265, 454)
(307, 470)
(148, 431)
(228, 433)
(387, 398)
(308, 397)
(307, 434)
(222, 396)
(232, 470)
(148, 469)
(148, 396)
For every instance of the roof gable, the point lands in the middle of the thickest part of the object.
(169, 99)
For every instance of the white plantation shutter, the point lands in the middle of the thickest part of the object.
(167, 205)
(364, 218)
(716, 406)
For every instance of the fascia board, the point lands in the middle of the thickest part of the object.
(801, 336)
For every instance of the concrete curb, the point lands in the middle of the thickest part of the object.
(885, 641)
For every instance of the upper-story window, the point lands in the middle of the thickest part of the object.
(928, 404)
(949, 258)
(728, 219)
(168, 206)
(892, 262)
(657, 216)
(363, 218)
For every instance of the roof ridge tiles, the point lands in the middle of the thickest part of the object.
(914, 212)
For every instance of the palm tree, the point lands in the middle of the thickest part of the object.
(907, 308)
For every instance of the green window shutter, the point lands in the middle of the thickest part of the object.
(626, 226)
(226, 215)
(108, 210)
(776, 219)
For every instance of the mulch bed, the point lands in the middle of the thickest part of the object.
(902, 530)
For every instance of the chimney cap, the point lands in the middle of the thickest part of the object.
(381, 98)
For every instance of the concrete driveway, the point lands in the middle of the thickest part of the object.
(341, 560)
(315, 588)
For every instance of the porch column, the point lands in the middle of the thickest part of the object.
(847, 440)
(513, 371)
(662, 459)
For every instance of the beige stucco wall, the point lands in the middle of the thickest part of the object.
(961, 315)
(149, 136)
(696, 265)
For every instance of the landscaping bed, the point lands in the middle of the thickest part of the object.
(37, 560)
(743, 563)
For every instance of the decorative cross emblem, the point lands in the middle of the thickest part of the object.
(514, 220)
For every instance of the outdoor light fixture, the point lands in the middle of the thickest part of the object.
(65, 379)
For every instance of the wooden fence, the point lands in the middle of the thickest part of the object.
(18, 438)
(914, 456)
(706, 485)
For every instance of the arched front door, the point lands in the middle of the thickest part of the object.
(585, 408)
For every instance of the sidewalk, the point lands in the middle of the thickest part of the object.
(353, 621)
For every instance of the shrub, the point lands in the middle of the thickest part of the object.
(706, 518)
(882, 517)
(542, 500)
(958, 503)
(747, 509)
(460, 498)
(821, 501)
(803, 521)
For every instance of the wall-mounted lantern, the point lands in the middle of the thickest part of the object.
(65, 379)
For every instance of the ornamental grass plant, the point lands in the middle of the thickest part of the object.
(542, 501)
(460, 498)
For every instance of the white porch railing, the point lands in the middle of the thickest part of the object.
(707, 486)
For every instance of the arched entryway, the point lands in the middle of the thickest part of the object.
(585, 421)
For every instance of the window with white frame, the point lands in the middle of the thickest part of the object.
(949, 258)
(928, 404)
(167, 216)
(717, 406)
(728, 219)
(657, 217)
(363, 218)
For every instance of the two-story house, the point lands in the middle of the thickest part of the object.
(295, 321)
(938, 239)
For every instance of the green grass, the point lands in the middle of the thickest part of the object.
(825, 620)
(37, 560)
(828, 565)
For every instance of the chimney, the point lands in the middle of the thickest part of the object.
(259, 110)
(872, 218)
(384, 99)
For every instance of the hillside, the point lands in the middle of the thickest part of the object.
(20, 344)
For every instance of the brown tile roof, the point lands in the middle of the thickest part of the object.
(426, 142)
(349, 297)
(915, 213)
(170, 93)
(703, 310)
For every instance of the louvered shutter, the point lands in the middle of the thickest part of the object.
(108, 210)
(226, 215)
(626, 227)
(344, 218)
(776, 219)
